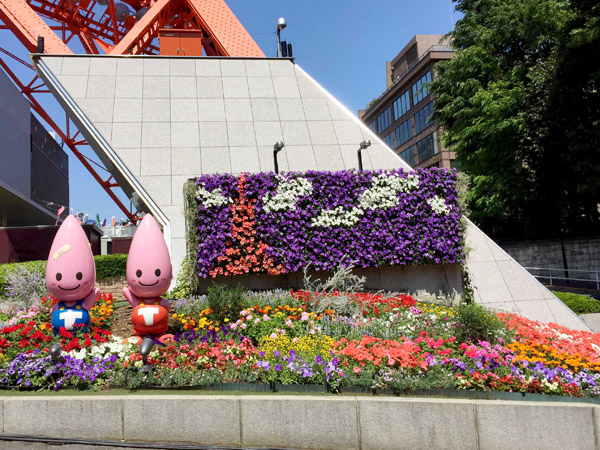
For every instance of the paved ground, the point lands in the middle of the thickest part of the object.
(18, 445)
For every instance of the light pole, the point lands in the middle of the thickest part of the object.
(363, 145)
(281, 24)
(276, 149)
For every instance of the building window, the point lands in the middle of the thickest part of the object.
(401, 105)
(423, 118)
(384, 120)
(372, 127)
(420, 89)
(408, 155)
(403, 133)
(426, 148)
(389, 140)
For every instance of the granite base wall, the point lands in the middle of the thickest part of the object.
(308, 422)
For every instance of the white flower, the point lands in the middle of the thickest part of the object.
(211, 199)
(381, 195)
(438, 205)
(337, 216)
(288, 192)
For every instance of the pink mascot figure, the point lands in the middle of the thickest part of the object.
(70, 277)
(149, 275)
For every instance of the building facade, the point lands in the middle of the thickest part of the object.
(401, 115)
(34, 172)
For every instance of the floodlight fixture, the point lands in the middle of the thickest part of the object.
(281, 24)
(276, 149)
(145, 349)
(363, 145)
(55, 351)
(122, 11)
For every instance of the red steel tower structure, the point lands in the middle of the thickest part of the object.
(126, 27)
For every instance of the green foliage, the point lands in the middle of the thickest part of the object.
(6, 269)
(186, 281)
(580, 304)
(110, 266)
(225, 302)
(520, 104)
(474, 323)
(107, 266)
(341, 282)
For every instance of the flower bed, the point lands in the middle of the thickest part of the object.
(268, 223)
(390, 342)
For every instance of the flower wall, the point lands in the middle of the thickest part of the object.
(279, 223)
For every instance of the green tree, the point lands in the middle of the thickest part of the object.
(519, 103)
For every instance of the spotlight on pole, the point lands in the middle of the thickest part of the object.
(276, 149)
(145, 349)
(281, 24)
(363, 145)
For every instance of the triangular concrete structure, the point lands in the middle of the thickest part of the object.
(158, 121)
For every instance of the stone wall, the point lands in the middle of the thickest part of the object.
(309, 422)
(581, 254)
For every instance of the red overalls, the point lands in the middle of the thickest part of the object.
(150, 318)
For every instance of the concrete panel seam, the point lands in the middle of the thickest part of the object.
(477, 444)
(595, 429)
(122, 419)
(3, 418)
(358, 427)
(241, 423)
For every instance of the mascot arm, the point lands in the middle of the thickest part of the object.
(131, 297)
(88, 302)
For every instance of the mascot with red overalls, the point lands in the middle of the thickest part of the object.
(149, 275)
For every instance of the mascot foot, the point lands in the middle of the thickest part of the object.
(165, 338)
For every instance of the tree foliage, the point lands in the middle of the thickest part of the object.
(519, 103)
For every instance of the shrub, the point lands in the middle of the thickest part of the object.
(110, 266)
(474, 323)
(25, 286)
(225, 302)
(107, 266)
(580, 304)
(6, 269)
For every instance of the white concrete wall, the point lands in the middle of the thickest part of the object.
(310, 422)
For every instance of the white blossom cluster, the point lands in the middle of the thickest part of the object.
(211, 199)
(104, 350)
(382, 194)
(438, 205)
(287, 195)
(337, 217)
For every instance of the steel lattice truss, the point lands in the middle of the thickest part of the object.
(101, 27)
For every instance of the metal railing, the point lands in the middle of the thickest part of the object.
(565, 275)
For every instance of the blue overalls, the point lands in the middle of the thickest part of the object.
(70, 317)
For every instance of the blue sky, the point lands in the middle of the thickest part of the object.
(342, 44)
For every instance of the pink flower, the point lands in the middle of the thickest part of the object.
(304, 316)
(257, 320)
(356, 369)
(234, 326)
(312, 331)
(266, 318)
(289, 323)
(243, 326)
(249, 317)
(273, 336)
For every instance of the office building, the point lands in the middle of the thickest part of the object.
(401, 115)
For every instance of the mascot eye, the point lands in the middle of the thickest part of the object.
(138, 273)
(157, 272)
(58, 276)
(79, 275)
